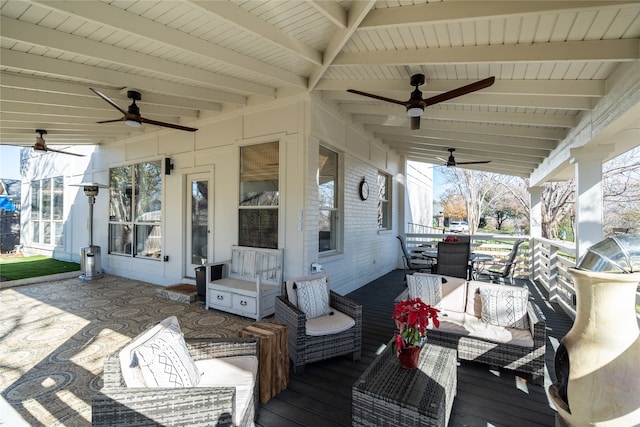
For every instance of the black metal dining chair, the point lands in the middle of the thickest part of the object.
(453, 259)
(500, 269)
(411, 262)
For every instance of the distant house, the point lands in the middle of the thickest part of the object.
(9, 214)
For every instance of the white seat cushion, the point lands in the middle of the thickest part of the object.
(236, 371)
(498, 334)
(329, 324)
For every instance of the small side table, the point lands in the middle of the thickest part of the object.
(273, 358)
(389, 395)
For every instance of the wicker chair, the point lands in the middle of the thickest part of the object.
(305, 348)
(117, 404)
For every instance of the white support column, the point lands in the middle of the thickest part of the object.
(535, 227)
(535, 211)
(589, 202)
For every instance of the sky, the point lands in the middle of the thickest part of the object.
(10, 161)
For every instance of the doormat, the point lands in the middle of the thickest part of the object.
(182, 292)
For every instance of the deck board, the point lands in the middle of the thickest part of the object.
(321, 396)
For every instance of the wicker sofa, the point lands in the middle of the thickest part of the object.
(117, 404)
(520, 348)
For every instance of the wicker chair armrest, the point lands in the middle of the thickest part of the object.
(346, 306)
(210, 348)
(150, 406)
(537, 322)
(291, 316)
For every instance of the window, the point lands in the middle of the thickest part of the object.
(135, 210)
(327, 197)
(384, 201)
(47, 202)
(259, 193)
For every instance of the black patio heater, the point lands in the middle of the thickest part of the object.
(90, 264)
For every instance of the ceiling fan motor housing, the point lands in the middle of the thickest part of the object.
(417, 80)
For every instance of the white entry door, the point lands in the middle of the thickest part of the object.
(199, 204)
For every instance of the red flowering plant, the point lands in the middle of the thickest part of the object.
(452, 239)
(412, 319)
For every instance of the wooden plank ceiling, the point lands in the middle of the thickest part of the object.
(195, 59)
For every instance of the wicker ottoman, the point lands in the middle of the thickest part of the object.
(388, 395)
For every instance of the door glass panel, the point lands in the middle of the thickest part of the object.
(199, 221)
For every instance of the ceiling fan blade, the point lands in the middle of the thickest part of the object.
(473, 163)
(167, 125)
(381, 98)
(106, 98)
(463, 90)
(64, 152)
(415, 123)
(111, 121)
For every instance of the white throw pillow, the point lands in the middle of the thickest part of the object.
(313, 297)
(292, 287)
(162, 347)
(506, 308)
(426, 287)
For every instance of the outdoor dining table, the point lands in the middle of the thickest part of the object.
(474, 259)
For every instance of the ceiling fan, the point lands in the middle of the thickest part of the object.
(416, 103)
(132, 116)
(451, 161)
(41, 145)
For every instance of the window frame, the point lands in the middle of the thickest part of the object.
(259, 215)
(384, 202)
(47, 222)
(136, 219)
(334, 213)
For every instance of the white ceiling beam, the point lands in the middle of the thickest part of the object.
(75, 127)
(504, 117)
(104, 14)
(46, 121)
(63, 100)
(252, 24)
(462, 154)
(40, 36)
(526, 155)
(402, 89)
(57, 86)
(463, 133)
(518, 101)
(500, 168)
(87, 73)
(356, 14)
(469, 10)
(69, 112)
(332, 11)
(589, 50)
(553, 134)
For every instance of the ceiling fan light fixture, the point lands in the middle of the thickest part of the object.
(415, 111)
(132, 123)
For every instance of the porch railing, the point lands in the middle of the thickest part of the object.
(542, 260)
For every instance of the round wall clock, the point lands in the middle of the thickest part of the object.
(364, 189)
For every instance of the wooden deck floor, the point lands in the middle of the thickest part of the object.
(322, 395)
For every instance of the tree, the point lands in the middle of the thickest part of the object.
(478, 190)
(557, 204)
(453, 205)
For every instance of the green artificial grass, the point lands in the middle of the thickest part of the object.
(33, 266)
